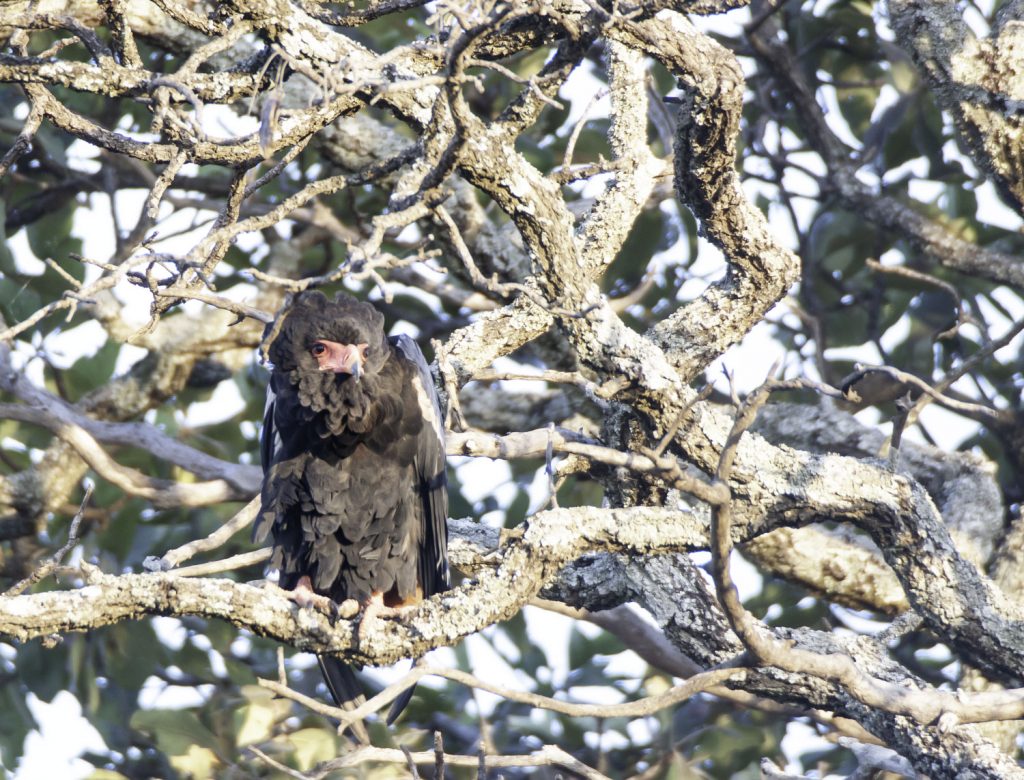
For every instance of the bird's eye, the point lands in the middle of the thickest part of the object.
(318, 350)
(365, 351)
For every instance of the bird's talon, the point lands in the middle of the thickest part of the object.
(348, 609)
(306, 598)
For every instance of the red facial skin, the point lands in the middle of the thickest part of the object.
(340, 358)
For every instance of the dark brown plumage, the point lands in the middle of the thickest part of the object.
(354, 488)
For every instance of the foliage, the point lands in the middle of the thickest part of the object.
(74, 208)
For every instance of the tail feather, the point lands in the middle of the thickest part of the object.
(399, 704)
(345, 690)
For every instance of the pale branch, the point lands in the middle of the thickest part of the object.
(604, 229)
(235, 307)
(923, 706)
(172, 558)
(244, 152)
(647, 705)
(240, 561)
(24, 140)
(913, 382)
(536, 443)
(502, 290)
(841, 568)
(963, 485)
(160, 492)
(875, 758)
(280, 687)
(650, 643)
(493, 334)
(549, 755)
(574, 136)
(761, 269)
(116, 80)
(54, 561)
(553, 539)
(43, 408)
(965, 368)
(72, 299)
(592, 389)
(525, 565)
(46, 485)
(287, 771)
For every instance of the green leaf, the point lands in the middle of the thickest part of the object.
(50, 236)
(191, 747)
(196, 763)
(88, 373)
(255, 721)
(312, 746)
(18, 301)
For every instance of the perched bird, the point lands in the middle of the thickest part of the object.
(354, 487)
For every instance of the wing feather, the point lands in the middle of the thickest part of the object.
(430, 469)
(270, 439)
(270, 447)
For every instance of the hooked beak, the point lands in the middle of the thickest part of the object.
(340, 358)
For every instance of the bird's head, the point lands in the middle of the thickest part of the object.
(343, 338)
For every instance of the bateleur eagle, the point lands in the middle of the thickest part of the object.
(354, 487)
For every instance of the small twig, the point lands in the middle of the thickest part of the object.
(75, 284)
(549, 455)
(411, 763)
(275, 171)
(505, 289)
(533, 444)
(239, 561)
(438, 755)
(178, 555)
(277, 764)
(528, 82)
(240, 309)
(570, 147)
(160, 491)
(24, 140)
(914, 381)
(968, 365)
(646, 706)
(548, 755)
(673, 429)
(55, 560)
(962, 316)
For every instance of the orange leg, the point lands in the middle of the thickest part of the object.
(304, 595)
(387, 605)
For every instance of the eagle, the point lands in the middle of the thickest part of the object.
(354, 487)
